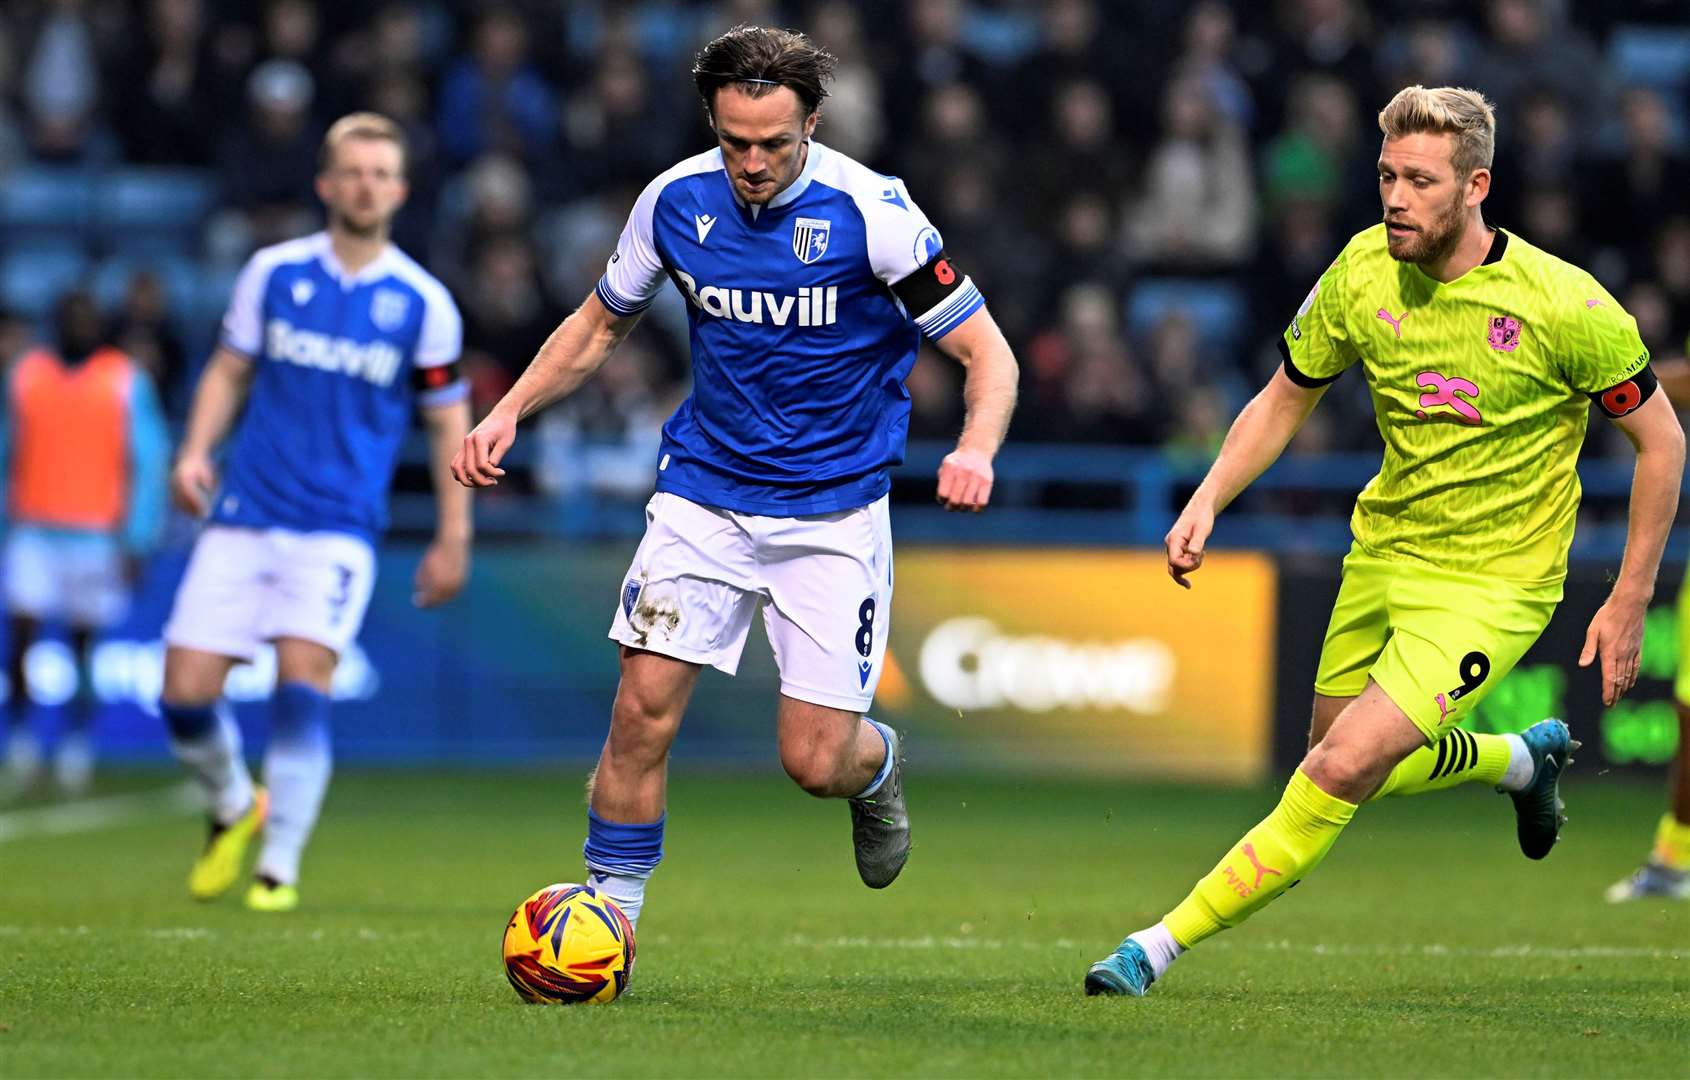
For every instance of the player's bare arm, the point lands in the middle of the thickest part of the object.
(577, 348)
(218, 399)
(1616, 633)
(445, 565)
(1256, 439)
(988, 391)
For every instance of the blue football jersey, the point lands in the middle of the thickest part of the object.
(340, 361)
(805, 318)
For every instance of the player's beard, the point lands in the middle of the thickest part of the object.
(373, 227)
(1434, 240)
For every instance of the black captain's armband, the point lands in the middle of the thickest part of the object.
(424, 379)
(929, 286)
(1624, 398)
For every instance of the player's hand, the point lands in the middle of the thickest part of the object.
(1616, 636)
(965, 480)
(192, 481)
(442, 572)
(477, 461)
(1186, 541)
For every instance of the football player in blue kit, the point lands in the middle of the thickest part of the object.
(329, 341)
(810, 281)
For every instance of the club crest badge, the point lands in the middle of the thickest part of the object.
(389, 308)
(809, 238)
(1504, 333)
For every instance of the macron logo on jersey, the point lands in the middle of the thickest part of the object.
(376, 361)
(810, 307)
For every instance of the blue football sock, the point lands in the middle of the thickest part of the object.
(885, 766)
(297, 764)
(620, 858)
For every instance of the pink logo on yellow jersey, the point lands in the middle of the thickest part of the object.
(1504, 333)
(1396, 323)
(1442, 391)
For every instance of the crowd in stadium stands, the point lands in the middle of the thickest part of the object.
(1144, 190)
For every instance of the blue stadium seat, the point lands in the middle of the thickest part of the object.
(39, 203)
(1218, 309)
(149, 210)
(31, 283)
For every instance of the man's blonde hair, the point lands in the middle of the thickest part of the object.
(360, 125)
(1445, 110)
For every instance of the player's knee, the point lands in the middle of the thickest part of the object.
(813, 766)
(192, 685)
(642, 726)
(1342, 771)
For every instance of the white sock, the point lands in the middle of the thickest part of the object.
(1159, 945)
(628, 890)
(1520, 766)
(886, 763)
(23, 755)
(216, 762)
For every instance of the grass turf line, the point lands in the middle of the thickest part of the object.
(1425, 945)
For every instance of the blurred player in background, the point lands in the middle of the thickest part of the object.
(1482, 354)
(1666, 871)
(86, 453)
(810, 281)
(329, 341)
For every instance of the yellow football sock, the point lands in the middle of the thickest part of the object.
(1459, 757)
(1672, 842)
(1271, 858)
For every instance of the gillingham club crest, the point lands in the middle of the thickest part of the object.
(388, 308)
(809, 238)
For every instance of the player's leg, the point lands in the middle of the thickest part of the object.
(34, 591)
(297, 765)
(23, 747)
(73, 759)
(320, 588)
(1666, 871)
(628, 788)
(686, 603)
(829, 582)
(214, 625)
(1366, 741)
(1455, 637)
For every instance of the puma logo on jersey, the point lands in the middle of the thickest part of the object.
(1396, 323)
(705, 223)
(810, 307)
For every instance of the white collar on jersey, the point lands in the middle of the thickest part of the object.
(794, 189)
(378, 267)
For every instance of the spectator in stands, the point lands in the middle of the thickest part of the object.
(854, 120)
(1631, 192)
(506, 317)
(493, 99)
(143, 332)
(1081, 150)
(1082, 382)
(165, 114)
(60, 83)
(1531, 47)
(1197, 211)
(269, 163)
(86, 452)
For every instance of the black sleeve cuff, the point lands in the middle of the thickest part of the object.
(1626, 397)
(1308, 382)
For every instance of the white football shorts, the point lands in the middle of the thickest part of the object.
(62, 574)
(824, 582)
(245, 587)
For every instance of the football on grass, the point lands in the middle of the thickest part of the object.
(569, 945)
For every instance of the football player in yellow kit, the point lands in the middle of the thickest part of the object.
(1482, 354)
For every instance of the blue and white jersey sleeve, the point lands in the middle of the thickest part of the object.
(908, 254)
(635, 274)
(439, 345)
(243, 322)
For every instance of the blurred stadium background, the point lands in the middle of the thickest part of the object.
(1144, 191)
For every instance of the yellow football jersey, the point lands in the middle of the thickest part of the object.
(1480, 391)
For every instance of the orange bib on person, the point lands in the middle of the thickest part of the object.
(70, 440)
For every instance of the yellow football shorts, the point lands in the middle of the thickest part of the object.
(1435, 641)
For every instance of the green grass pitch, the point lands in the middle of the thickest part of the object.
(1424, 946)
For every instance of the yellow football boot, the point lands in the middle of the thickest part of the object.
(270, 896)
(219, 865)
